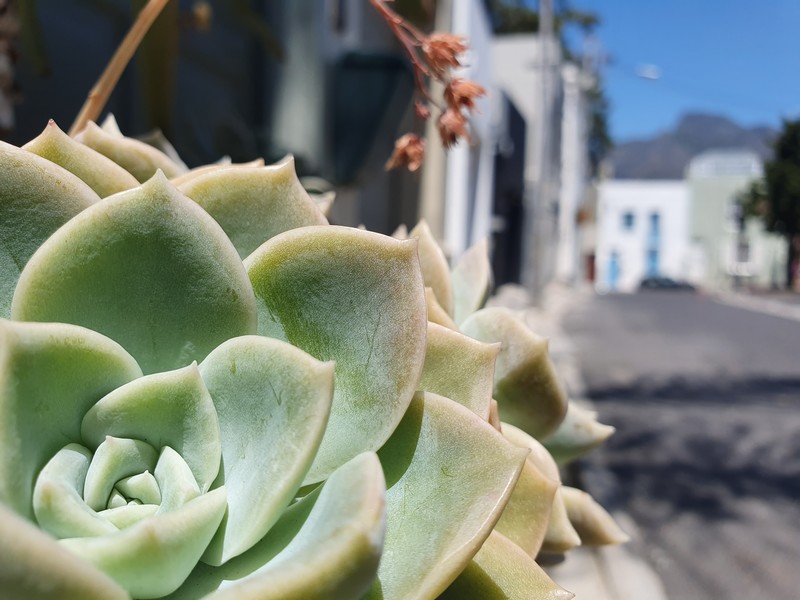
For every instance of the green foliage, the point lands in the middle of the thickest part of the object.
(776, 198)
(600, 142)
(515, 17)
(782, 182)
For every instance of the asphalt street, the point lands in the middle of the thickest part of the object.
(706, 401)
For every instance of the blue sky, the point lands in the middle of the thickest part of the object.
(738, 58)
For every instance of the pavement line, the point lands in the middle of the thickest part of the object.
(776, 308)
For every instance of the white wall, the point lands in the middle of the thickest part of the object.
(520, 71)
(574, 171)
(670, 199)
(470, 168)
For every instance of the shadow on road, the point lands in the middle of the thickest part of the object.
(706, 458)
(695, 445)
(721, 389)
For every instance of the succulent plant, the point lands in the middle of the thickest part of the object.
(207, 391)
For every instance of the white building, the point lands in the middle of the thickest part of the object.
(642, 231)
(456, 196)
(551, 96)
(575, 172)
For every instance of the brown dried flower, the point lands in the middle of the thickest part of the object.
(452, 126)
(441, 51)
(461, 93)
(409, 151)
(422, 111)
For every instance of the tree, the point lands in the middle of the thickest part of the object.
(776, 199)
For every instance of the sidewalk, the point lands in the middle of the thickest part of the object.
(609, 572)
(784, 305)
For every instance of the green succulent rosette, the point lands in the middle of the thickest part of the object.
(206, 391)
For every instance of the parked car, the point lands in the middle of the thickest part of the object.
(664, 283)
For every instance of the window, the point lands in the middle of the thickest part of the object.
(652, 266)
(655, 223)
(654, 231)
(743, 250)
(628, 221)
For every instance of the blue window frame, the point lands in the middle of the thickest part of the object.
(628, 221)
(652, 263)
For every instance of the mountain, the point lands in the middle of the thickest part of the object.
(667, 155)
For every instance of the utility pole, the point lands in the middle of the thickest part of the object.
(539, 197)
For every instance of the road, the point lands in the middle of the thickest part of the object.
(706, 401)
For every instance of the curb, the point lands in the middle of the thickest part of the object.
(776, 308)
(591, 573)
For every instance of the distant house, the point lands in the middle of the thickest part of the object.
(642, 231)
(726, 249)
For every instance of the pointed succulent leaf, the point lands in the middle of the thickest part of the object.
(326, 545)
(253, 205)
(592, 522)
(207, 578)
(527, 513)
(436, 314)
(579, 433)
(101, 173)
(142, 486)
(159, 141)
(164, 409)
(336, 553)
(176, 482)
(460, 368)
(502, 571)
(193, 174)
(449, 475)
(494, 415)
(355, 298)
(273, 402)
(138, 158)
(50, 375)
(539, 455)
(526, 385)
(36, 198)
(472, 281)
(58, 496)
(324, 202)
(113, 460)
(401, 233)
(560, 535)
(110, 125)
(435, 270)
(147, 267)
(116, 500)
(153, 557)
(128, 515)
(35, 567)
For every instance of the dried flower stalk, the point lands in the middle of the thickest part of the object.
(432, 57)
(99, 94)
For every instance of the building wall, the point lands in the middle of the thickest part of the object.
(529, 73)
(470, 167)
(629, 246)
(317, 111)
(727, 252)
(574, 172)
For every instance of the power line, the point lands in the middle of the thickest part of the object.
(691, 91)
